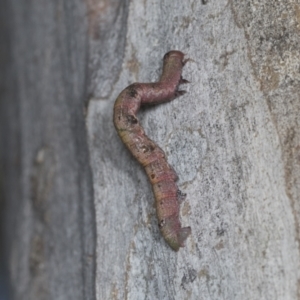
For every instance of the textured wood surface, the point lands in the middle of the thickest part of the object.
(233, 139)
(49, 214)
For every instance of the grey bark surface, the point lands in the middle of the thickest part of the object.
(47, 182)
(233, 138)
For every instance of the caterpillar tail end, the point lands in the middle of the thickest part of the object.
(176, 239)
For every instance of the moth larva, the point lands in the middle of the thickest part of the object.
(161, 175)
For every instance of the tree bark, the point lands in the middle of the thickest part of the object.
(79, 217)
(47, 181)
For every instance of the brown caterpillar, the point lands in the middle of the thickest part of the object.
(161, 175)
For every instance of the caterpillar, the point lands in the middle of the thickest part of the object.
(161, 175)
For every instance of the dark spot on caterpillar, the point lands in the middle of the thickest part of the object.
(156, 165)
(162, 223)
(167, 55)
(144, 149)
(132, 119)
(151, 147)
(132, 92)
(147, 148)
